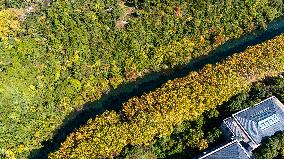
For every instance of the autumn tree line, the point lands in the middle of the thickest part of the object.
(191, 138)
(56, 57)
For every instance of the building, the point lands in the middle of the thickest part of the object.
(231, 150)
(247, 128)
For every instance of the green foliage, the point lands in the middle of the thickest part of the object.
(156, 114)
(72, 52)
(271, 148)
(139, 152)
(22, 3)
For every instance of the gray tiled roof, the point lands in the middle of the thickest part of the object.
(249, 126)
(236, 129)
(232, 150)
(262, 120)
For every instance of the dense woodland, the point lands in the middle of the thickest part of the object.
(155, 114)
(55, 57)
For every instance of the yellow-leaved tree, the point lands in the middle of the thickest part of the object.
(9, 22)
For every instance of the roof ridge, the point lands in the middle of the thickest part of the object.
(224, 146)
(255, 105)
(244, 130)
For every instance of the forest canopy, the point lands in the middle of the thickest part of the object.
(55, 57)
(155, 114)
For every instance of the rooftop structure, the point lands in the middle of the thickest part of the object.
(248, 127)
(231, 150)
(253, 124)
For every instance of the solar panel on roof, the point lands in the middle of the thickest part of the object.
(268, 122)
(262, 120)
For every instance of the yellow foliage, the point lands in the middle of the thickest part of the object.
(9, 22)
(10, 154)
(177, 52)
(75, 57)
(202, 145)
